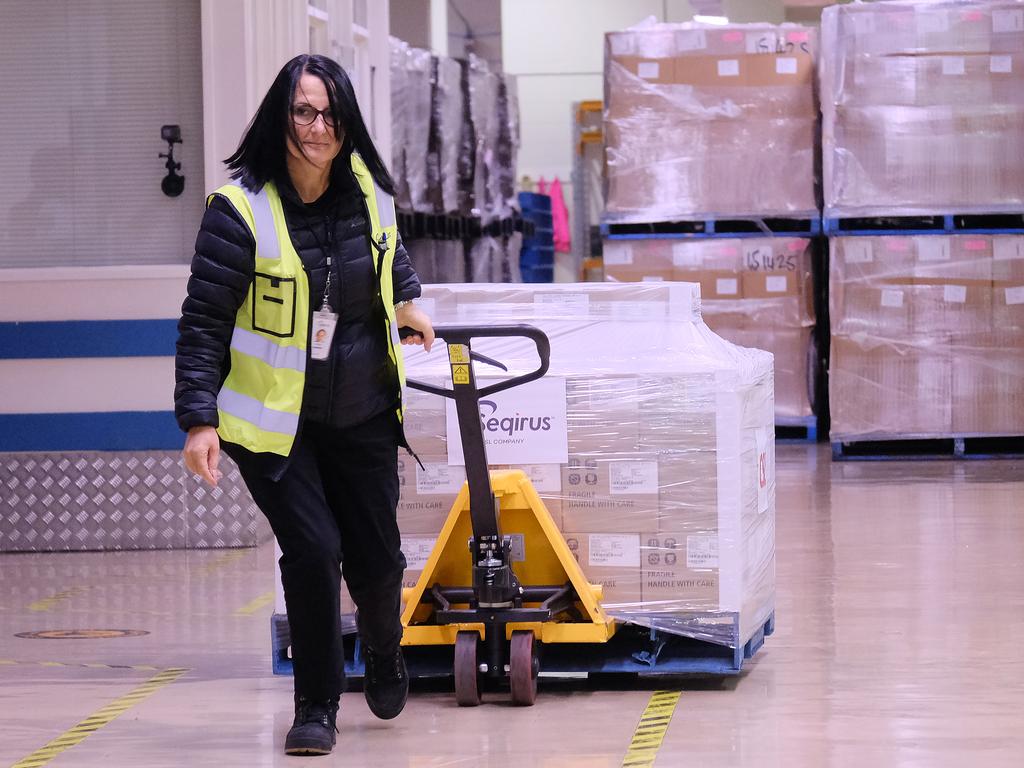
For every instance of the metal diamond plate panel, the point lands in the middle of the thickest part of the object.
(117, 501)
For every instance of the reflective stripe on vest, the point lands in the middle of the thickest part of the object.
(260, 402)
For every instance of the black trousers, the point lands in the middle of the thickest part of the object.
(333, 512)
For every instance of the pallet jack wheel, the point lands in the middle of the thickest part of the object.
(467, 673)
(524, 665)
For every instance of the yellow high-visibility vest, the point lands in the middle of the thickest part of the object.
(261, 399)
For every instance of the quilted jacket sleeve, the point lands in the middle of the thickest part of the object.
(406, 282)
(222, 271)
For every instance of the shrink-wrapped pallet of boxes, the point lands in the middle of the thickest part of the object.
(923, 107)
(650, 442)
(927, 336)
(755, 292)
(710, 121)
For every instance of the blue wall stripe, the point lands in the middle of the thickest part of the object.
(115, 431)
(87, 338)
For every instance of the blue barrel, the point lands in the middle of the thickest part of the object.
(537, 258)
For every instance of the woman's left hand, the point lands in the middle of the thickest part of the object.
(411, 316)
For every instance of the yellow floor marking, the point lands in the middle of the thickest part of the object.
(136, 667)
(79, 732)
(222, 561)
(48, 603)
(650, 731)
(253, 606)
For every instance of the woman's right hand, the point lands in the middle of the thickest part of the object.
(202, 453)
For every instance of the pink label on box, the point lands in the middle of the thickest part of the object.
(898, 245)
(976, 245)
(798, 37)
(796, 245)
(732, 37)
(727, 251)
(972, 16)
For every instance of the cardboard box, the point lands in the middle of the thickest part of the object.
(1008, 282)
(610, 493)
(988, 385)
(688, 489)
(880, 387)
(680, 571)
(427, 493)
(611, 560)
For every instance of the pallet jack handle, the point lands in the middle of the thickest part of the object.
(493, 580)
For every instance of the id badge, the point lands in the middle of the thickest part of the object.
(323, 331)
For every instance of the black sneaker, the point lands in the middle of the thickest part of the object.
(386, 685)
(314, 729)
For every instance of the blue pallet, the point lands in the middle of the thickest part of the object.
(712, 228)
(938, 224)
(634, 650)
(797, 430)
(957, 447)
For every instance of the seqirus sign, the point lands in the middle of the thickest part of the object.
(523, 425)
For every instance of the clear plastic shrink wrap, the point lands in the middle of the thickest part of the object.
(923, 107)
(415, 134)
(927, 336)
(650, 441)
(710, 121)
(756, 292)
(445, 135)
(400, 120)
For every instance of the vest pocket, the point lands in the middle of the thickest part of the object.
(273, 305)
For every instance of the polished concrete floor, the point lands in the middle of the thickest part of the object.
(900, 615)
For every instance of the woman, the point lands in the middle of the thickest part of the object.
(287, 358)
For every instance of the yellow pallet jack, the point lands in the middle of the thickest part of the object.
(501, 601)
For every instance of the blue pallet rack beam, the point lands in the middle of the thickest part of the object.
(711, 227)
(937, 224)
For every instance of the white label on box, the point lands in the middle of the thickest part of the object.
(1007, 21)
(618, 255)
(954, 294)
(648, 70)
(932, 248)
(785, 65)
(621, 44)
(727, 286)
(618, 550)
(522, 425)
(764, 41)
(776, 284)
(858, 251)
(546, 478)
(1001, 64)
(1015, 295)
(701, 552)
(765, 472)
(1006, 248)
(417, 551)
(685, 255)
(729, 68)
(691, 40)
(892, 298)
(581, 300)
(953, 65)
(652, 279)
(639, 308)
(625, 477)
(439, 478)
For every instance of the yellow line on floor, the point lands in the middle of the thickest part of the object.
(259, 603)
(650, 731)
(136, 667)
(78, 733)
(48, 603)
(222, 561)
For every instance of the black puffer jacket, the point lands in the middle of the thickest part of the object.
(359, 381)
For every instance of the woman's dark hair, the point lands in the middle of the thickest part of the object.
(262, 154)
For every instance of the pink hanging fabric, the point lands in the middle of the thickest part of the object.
(560, 218)
(542, 186)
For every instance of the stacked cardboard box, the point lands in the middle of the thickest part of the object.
(927, 336)
(663, 483)
(756, 292)
(712, 121)
(923, 107)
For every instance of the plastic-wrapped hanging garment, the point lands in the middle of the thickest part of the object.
(417, 131)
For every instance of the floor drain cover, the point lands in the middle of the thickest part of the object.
(81, 634)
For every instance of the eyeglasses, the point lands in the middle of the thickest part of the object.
(305, 114)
